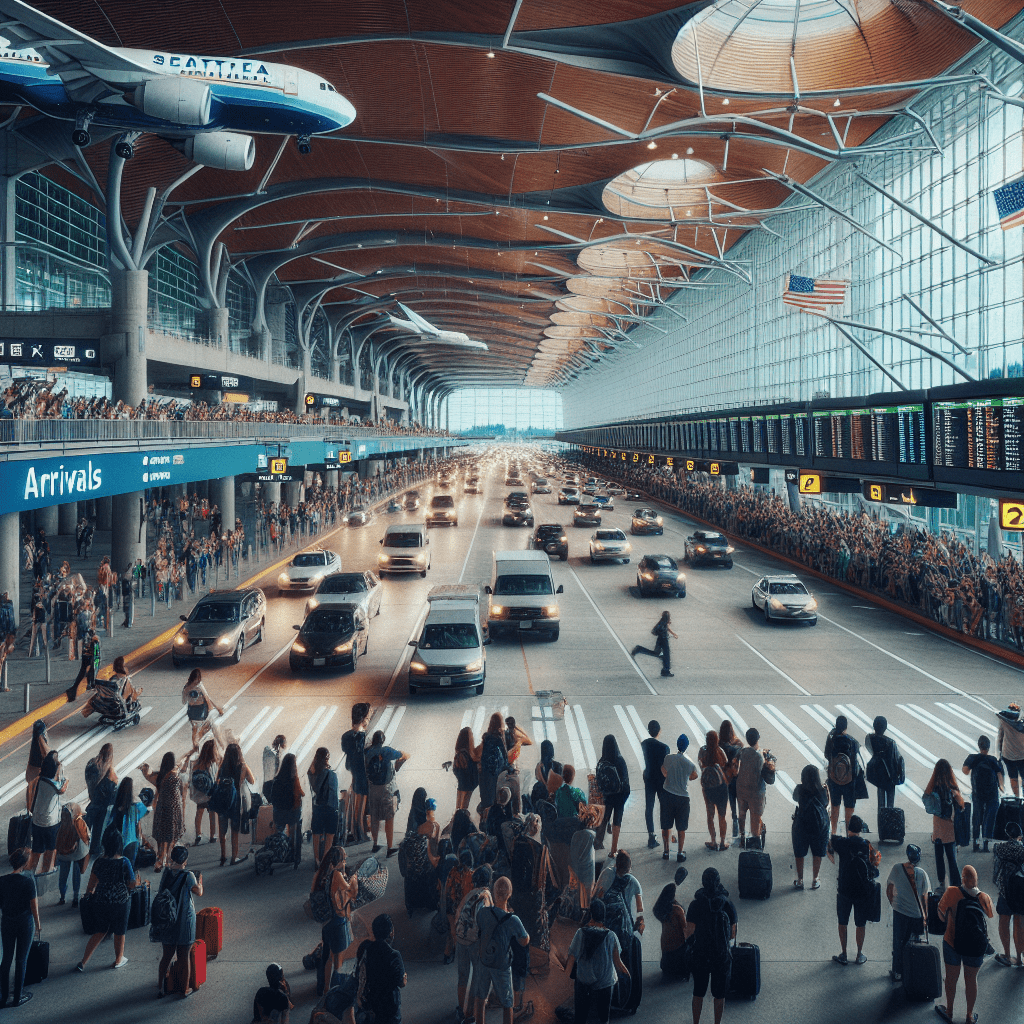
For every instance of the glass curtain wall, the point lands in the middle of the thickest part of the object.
(505, 410)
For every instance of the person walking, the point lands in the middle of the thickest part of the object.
(128, 597)
(964, 908)
(44, 796)
(858, 866)
(272, 754)
(662, 631)
(323, 784)
(596, 954)
(1009, 878)
(19, 925)
(199, 702)
(353, 744)
(109, 885)
(1010, 744)
(466, 766)
(384, 972)
(654, 752)
(678, 771)
(101, 783)
(201, 781)
(169, 813)
(177, 938)
(842, 756)
(986, 774)
(942, 798)
(612, 777)
(286, 797)
(126, 816)
(881, 770)
(8, 622)
(493, 762)
(341, 891)
(751, 788)
(233, 767)
(499, 928)
(810, 829)
(711, 921)
(72, 852)
(382, 762)
(732, 745)
(906, 889)
(712, 762)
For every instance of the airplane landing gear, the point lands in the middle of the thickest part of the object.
(80, 137)
(125, 145)
(303, 143)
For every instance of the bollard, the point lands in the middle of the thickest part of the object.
(27, 708)
(46, 658)
(152, 600)
(4, 688)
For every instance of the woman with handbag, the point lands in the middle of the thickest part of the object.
(72, 851)
(942, 797)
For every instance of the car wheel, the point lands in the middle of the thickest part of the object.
(175, 661)
(565, 556)
(753, 603)
(423, 573)
(236, 657)
(355, 657)
(682, 593)
(259, 635)
(627, 561)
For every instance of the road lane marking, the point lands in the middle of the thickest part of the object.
(308, 727)
(915, 791)
(301, 753)
(629, 734)
(585, 739)
(735, 717)
(688, 719)
(787, 787)
(944, 730)
(819, 714)
(789, 679)
(966, 716)
(791, 732)
(543, 724)
(574, 742)
(478, 721)
(641, 728)
(699, 715)
(392, 729)
(254, 723)
(253, 737)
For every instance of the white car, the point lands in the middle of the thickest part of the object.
(615, 489)
(307, 569)
(609, 546)
(783, 596)
(348, 588)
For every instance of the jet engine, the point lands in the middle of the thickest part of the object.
(225, 151)
(181, 101)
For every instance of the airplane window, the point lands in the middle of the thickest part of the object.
(321, 86)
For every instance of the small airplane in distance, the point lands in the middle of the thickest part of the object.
(201, 104)
(417, 325)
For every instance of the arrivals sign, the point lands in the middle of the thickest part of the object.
(47, 352)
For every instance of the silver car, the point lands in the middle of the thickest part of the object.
(349, 588)
(307, 568)
(587, 515)
(569, 496)
(783, 596)
(221, 625)
(609, 546)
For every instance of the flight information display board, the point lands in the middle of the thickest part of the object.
(894, 434)
(979, 433)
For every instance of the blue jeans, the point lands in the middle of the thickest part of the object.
(16, 933)
(984, 817)
(886, 796)
(902, 929)
(64, 868)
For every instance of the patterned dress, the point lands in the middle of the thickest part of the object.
(169, 816)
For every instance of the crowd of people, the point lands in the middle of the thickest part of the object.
(936, 575)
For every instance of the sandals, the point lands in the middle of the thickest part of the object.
(815, 884)
(724, 846)
(711, 846)
(798, 883)
(942, 1012)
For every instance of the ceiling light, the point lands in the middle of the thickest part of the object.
(689, 151)
(689, 213)
(837, 103)
(725, 102)
(675, 156)
(652, 145)
(490, 54)
(545, 216)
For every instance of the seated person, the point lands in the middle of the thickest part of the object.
(273, 1001)
(568, 799)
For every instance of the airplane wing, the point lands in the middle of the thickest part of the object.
(422, 325)
(89, 70)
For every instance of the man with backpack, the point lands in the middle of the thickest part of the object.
(382, 762)
(858, 868)
(986, 774)
(655, 753)
(498, 929)
(964, 908)
(711, 921)
(467, 935)
(1009, 877)
(381, 975)
(678, 771)
(842, 755)
(568, 799)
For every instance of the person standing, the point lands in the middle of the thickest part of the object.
(19, 925)
(467, 933)
(382, 762)
(493, 761)
(233, 767)
(177, 940)
(8, 624)
(1010, 744)
(858, 866)
(1009, 870)
(810, 824)
(675, 960)
(986, 774)
(44, 803)
(39, 747)
(200, 785)
(353, 744)
(198, 700)
(126, 816)
(751, 789)
(466, 766)
(101, 783)
(943, 788)
(385, 972)
(881, 769)
(842, 755)
(732, 745)
(169, 815)
(72, 852)
(905, 890)
(596, 953)
(499, 928)
(323, 784)
(341, 891)
(654, 752)
(711, 920)
(109, 882)
(712, 762)
(272, 754)
(286, 797)
(662, 631)
(678, 771)
(128, 597)
(612, 776)
(964, 908)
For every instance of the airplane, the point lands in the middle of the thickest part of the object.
(201, 104)
(417, 325)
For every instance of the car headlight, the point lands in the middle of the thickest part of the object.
(181, 639)
(729, 550)
(449, 514)
(599, 547)
(223, 641)
(551, 610)
(312, 603)
(383, 559)
(299, 647)
(283, 579)
(417, 668)
(343, 648)
(497, 611)
(681, 578)
(658, 520)
(475, 666)
(811, 605)
(421, 558)
(563, 539)
(700, 549)
(776, 604)
(628, 547)
(647, 575)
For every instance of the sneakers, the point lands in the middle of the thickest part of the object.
(861, 959)
(840, 959)
(665, 672)
(632, 653)
(123, 962)
(652, 842)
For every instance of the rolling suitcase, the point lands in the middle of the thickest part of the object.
(19, 832)
(138, 911)
(87, 908)
(210, 928)
(746, 970)
(190, 974)
(37, 967)
(936, 926)
(264, 825)
(1011, 808)
(755, 875)
(628, 992)
(962, 824)
(875, 903)
(922, 970)
(892, 825)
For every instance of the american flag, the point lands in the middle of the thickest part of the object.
(1010, 204)
(814, 294)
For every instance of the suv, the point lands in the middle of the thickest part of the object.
(550, 537)
(221, 625)
(442, 511)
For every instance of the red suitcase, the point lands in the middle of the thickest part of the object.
(192, 974)
(210, 928)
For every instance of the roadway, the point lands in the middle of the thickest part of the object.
(788, 680)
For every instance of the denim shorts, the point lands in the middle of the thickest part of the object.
(499, 977)
(951, 958)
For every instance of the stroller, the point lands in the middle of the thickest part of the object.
(118, 710)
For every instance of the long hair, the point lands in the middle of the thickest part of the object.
(207, 757)
(167, 763)
(665, 619)
(464, 741)
(289, 770)
(125, 799)
(665, 902)
(328, 863)
(810, 778)
(713, 749)
(231, 763)
(496, 727)
(321, 761)
(942, 775)
(194, 677)
(727, 734)
(610, 747)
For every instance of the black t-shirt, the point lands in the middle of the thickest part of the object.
(847, 849)
(699, 914)
(17, 891)
(267, 1001)
(384, 972)
(985, 771)
(655, 753)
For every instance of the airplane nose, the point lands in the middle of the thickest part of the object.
(346, 112)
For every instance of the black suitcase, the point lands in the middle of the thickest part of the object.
(936, 926)
(19, 832)
(922, 970)
(892, 825)
(37, 967)
(628, 992)
(746, 970)
(1011, 808)
(962, 824)
(755, 875)
(138, 911)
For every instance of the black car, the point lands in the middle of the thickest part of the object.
(707, 547)
(551, 537)
(329, 637)
(659, 574)
(517, 511)
(645, 521)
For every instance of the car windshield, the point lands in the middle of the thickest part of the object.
(342, 585)
(786, 588)
(541, 483)
(549, 531)
(308, 560)
(442, 501)
(216, 611)
(664, 562)
(713, 540)
(328, 620)
(522, 586)
(587, 509)
(644, 513)
(610, 535)
(450, 636)
(402, 540)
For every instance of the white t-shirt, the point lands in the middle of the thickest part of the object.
(905, 903)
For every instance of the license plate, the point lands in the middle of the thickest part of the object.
(716, 556)
(445, 681)
(198, 650)
(552, 548)
(319, 662)
(526, 625)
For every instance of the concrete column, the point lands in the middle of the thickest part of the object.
(128, 316)
(292, 493)
(201, 488)
(10, 559)
(104, 510)
(272, 493)
(46, 519)
(275, 315)
(218, 322)
(331, 478)
(222, 494)
(128, 541)
(67, 518)
(264, 344)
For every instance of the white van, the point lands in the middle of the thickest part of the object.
(450, 648)
(406, 548)
(522, 594)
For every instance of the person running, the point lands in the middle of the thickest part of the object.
(906, 890)
(732, 745)
(842, 755)
(1010, 744)
(499, 928)
(662, 631)
(881, 770)
(858, 866)
(382, 762)
(612, 777)
(654, 752)
(1009, 877)
(986, 774)
(964, 908)
(19, 925)
(198, 700)
(353, 744)
(810, 824)
(323, 784)
(947, 799)
(466, 767)
(178, 938)
(596, 954)
(711, 920)
(751, 789)
(712, 762)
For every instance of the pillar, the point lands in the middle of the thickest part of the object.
(222, 494)
(292, 493)
(104, 510)
(331, 478)
(128, 540)
(67, 518)
(128, 316)
(264, 344)
(10, 559)
(46, 519)
(219, 324)
(275, 314)
(272, 494)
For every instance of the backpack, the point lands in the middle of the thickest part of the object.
(523, 866)
(467, 930)
(494, 759)
(718, 932)
(859, 875)
(92, 777)
(352, 746)
(840, 765)
(880, 765)
(202, 781)
(223, 797)
(491, 955)
(617, 915)
(163, 912)
(971, 935)
(607, 778)
(712, 776)
(378, 769)
(1014, 888)
(320, 906)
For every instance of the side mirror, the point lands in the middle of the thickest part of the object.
(381, 541)
(184, 618)
(487, 590)
(296, 627)
(560, 589)
(487, 642)
(413, 643)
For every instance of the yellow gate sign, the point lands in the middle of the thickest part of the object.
(1011, 514)
(810, 483)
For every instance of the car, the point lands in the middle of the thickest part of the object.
(394, 505)
(442, 511)
(358, 516)
(541, 486)
(472, 485)
(221, 625)
(444, 480)
(513, 480)
(569, 496)
(634, 496)
(587, 514)
(646, 521)
(306, 570)
(614, 488)
(659, 574)
(604, 501)
(550, 537)
(411, 501)
(330, 637)
(783, 596)
(708, 547)
(517, 511)
(590, 488)
(609, 546)
(361, 588)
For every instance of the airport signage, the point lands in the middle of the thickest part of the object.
(905, 494)
(710, 466)
(49, 352)
(313, 400)
(221, 382)
(1011, 514)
